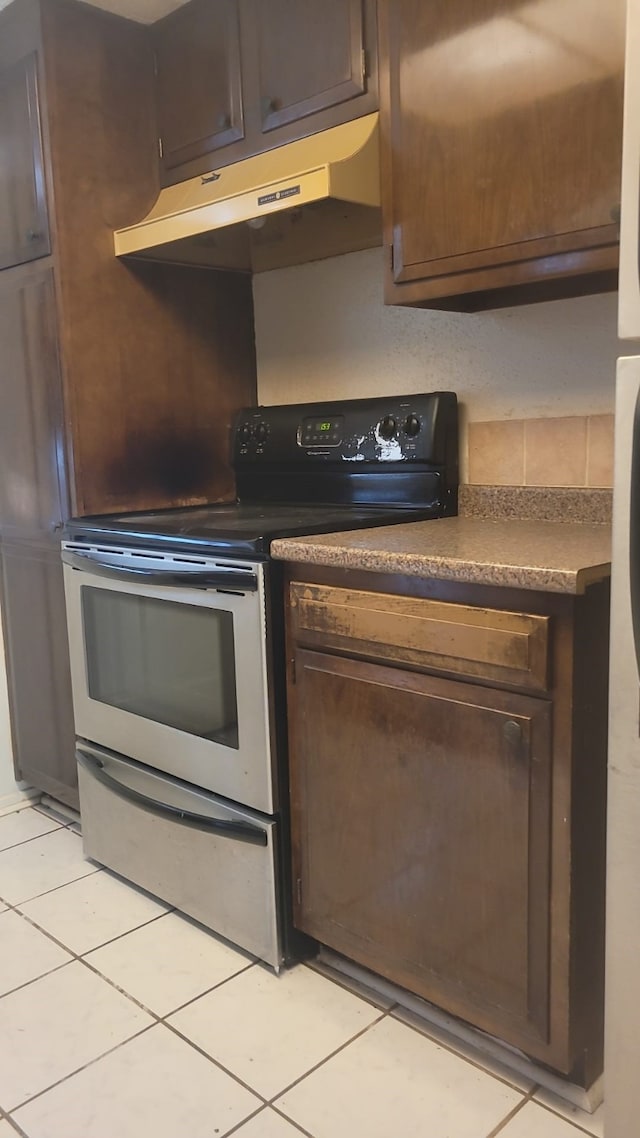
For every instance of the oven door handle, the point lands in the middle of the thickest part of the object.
(239, 831)
(235, 580)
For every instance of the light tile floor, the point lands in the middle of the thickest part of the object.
(120, 1018)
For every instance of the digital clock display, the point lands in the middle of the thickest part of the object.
(321, 432)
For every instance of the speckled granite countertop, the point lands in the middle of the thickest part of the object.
(551, 557)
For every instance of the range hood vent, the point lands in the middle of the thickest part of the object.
(313, 198)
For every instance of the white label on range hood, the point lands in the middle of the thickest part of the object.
(290, 192)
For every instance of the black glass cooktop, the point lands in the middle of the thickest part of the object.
(236, 529)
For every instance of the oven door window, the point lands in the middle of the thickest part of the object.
(163, 660)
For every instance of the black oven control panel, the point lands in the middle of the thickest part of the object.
(395, 429)
(314, 431)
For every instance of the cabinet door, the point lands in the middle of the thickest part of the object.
(35, 635)
(502, 139)
(199, 86)
(24, 230)
(310, 56)
(33, 484)
(421, 832)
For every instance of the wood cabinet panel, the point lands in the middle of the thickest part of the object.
(504, 647)
(403, 783)
(199, 85)
(422, 824)
(310, 57)
(35, 634)
(502, 128)
(156, 358)
(33, 484)
(237, 77)
(24, 227)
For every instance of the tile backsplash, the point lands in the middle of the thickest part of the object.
(574, 450)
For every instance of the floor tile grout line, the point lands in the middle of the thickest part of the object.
(321, 1063)
(422, 1029)
(121, 936)
(252, 1090)
(157, 1020)
(216, 1062)
(163, 1021)
(530, 1099)
(28, 983)
(291, 1121)
(74, 957)
(576, 1125)
(33, 838)
(296, 1125)
(207, 992)
(78, 1070)
(17, 1127)
(477, 1063)
(500, 1126)
(46, 892)
(250, 1117)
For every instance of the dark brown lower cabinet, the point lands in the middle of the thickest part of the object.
(35, 634)
(441, 880)
(448, 797)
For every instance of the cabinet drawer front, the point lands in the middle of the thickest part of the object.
(504, 647)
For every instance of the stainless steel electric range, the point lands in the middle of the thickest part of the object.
(177, 660)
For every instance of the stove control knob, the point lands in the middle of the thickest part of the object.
(388, 427)
(412, 426)
(261, 432)
(244, 433)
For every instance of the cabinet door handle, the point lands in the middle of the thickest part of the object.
(268, 105)
(224, 120)
(33, 235)
(512, 735)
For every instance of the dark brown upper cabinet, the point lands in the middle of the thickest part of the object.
(501, 148)
(24, 229)
(199, 86)
(154, 360)
(311, 56)
(33, 500)
(237, 77)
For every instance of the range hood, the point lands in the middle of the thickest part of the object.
(312, 198)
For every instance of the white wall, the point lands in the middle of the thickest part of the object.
(322, 332)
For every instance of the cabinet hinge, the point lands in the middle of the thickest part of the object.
(160, 148)
(299, 890)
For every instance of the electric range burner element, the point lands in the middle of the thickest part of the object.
(176, 635)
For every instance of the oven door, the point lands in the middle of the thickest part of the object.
(168, 665)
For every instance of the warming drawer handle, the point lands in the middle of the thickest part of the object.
(231, 579)
(239, 831)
